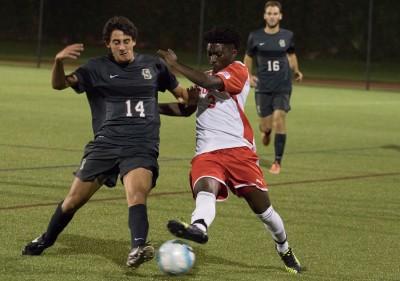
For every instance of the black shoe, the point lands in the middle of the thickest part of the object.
(292, 264)
(36, 247)
(187, 231)
(139, 255)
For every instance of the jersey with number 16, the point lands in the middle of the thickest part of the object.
(270, 52)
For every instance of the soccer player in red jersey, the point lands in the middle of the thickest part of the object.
(225, 153)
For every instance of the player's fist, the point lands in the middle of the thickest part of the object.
(70, 52)
(169, 56)
(253, 81)
(193, 95)
(298, 76)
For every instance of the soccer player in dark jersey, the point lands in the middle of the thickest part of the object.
(225, 153)
(273, 50)
(122, 90)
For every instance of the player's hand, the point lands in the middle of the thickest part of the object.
(298, 76)
(253, 81)
(70, 52)
(169, 56)
(193, 94)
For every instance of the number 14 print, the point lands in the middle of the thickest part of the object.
(139, 107)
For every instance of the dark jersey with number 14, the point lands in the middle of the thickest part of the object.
(270, 52)
(124, 98)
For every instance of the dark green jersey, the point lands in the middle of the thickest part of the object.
(270, 54)
(124, 97)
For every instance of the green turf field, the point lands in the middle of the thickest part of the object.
(338, 193)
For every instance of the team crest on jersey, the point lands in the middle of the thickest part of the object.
(226, 74)
(282, 43)
(146, 73)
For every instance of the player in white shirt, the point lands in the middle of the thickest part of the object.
(225, 153)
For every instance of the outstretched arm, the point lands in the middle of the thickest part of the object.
(59, 80)
(188, 96)
(180, 109)
(176, 109)
(197, 77)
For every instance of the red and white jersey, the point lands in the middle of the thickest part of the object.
(220, 119)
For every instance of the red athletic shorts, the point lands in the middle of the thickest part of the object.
(235, 168)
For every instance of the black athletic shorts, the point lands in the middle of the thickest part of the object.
(105, 161)
(268, 102)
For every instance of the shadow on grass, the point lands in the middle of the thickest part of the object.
(239, 263)
(392, 147)
(116, 251)
(113, 250)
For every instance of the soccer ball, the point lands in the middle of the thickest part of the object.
(175, 257)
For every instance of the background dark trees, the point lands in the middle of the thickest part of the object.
(323, 29)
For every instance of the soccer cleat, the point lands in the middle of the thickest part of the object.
(139, 255)
(36, 246)
(275, 168)
(266, 138)
(292, 264)
(187, 231)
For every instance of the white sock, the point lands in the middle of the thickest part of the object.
(274, 224)
(205, 209)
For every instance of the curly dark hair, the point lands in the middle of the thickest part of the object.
(120, 23)
(223, 35)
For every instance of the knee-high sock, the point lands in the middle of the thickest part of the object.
(57, 223)
(138, 224)
(279, 143)
(205, 210)
(274, 224)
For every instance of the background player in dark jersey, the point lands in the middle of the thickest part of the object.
(272, 48)
(122, 90)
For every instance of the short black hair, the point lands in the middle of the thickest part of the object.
(273, 4)
(223, 35)
(120, 23)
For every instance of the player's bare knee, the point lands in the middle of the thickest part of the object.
(207, 185)
(279, 124)
(205, 189)
(136, 196)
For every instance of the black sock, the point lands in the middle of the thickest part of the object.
(57, 223)
(138, 224)
(280, 140)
